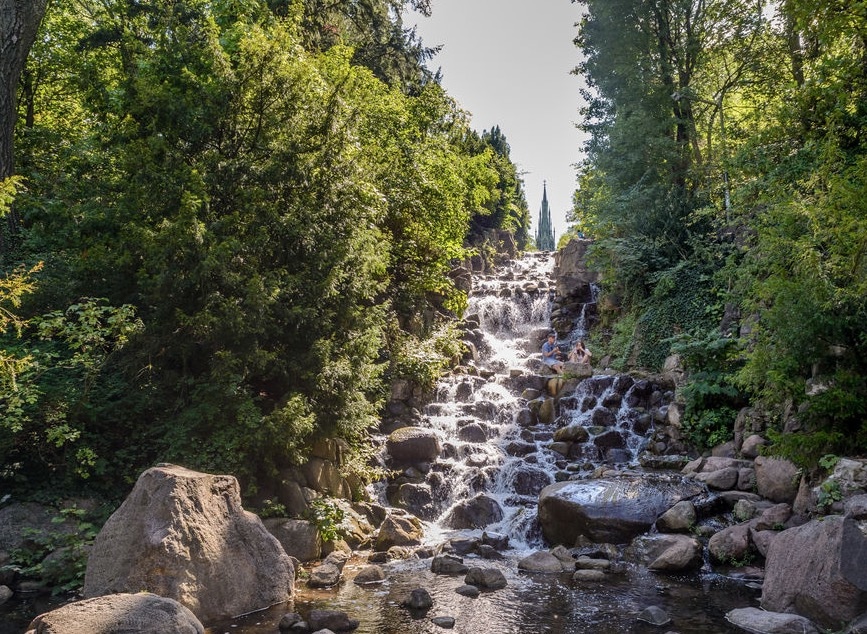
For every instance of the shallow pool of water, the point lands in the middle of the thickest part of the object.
(541, 604)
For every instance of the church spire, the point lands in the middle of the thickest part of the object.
(545, 231)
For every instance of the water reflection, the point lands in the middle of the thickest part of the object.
(529, 604)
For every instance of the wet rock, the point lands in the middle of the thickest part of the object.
(5, 594)
(448, 565)
(677, 553)
(680, 518)
(473, 432)
(418, 599)
(608, 510)
(571, 433)
(654, 615)
(370, 575)
(143, 613)
(530, 481)
(324, 576)
(519, 449)
(413, 444)
(610, 440)
(476, 512)
(526, 417)
(588, 575)
(399, 530)
(461, 545)
(489, 552)
(445, 622)
(181, 524)
(495, 540)
(588, 563)
(756, 620)
(288, 620)
(489, 578)
(415, 498)
(818, 570)
(333, 620)
(602, 417)
(468, 590)
(541, 562)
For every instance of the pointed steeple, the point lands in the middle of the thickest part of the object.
(545, 231)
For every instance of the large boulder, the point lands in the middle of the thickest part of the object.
(142, 613)
(412, 445)
(184, 535)
(612, 510)
(571, 274)
(776, 479)
(756, 620)
(667, 552)
(818, 570)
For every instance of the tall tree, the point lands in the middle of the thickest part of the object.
(19, 23)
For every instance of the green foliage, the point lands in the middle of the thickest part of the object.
(711, 399)
(804, 448)
(620, 345)
(327, 516)
(64, 569)
(422, 361)
(271, 508)
(262, 189)
(829, 492)
(828, 461)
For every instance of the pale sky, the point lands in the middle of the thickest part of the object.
(508, 63)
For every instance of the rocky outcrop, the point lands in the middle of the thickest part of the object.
(184, 535)
(299, 538)
(399, 530)
(613, 510)
(142, 613)
(818, 570)
(412, 445)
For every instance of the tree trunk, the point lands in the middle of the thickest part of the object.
(19, 22)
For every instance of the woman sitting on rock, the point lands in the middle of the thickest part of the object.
(580, 353)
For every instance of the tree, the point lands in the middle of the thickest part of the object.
(19, 23)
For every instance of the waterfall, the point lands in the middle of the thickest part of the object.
(498, 449)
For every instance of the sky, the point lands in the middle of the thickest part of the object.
(508, 63)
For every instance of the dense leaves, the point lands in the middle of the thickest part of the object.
(259, 194)
(726, 139)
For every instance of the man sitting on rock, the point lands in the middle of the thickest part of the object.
(549, 353)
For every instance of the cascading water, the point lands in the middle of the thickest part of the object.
(497, 454)
(499, 449)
